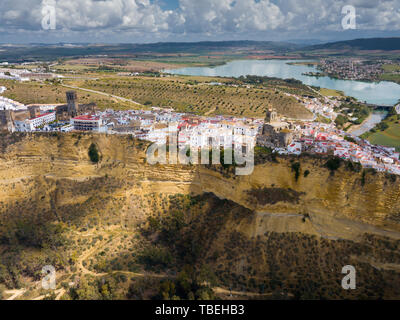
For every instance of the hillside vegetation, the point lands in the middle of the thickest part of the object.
(191, 94)
(50, 93)
(122, 229)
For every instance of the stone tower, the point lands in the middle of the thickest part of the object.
(72, 103)
(34, 111)
(271, 116)
(6, 120)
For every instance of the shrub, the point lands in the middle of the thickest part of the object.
(350, 139)
(341, 120)
(296, 169)
(333, 164)
(382, 126)
(93, 153)
(354, 166)
(155, 257)
(363, 178)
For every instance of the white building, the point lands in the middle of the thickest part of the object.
(23, 126)
(67, 128)
(34, 123)
(86, 123)
(43, 119)
(294, 148)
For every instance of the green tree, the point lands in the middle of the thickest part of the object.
(167, 290)
(341, 120)
(296, 168)
(333, 164)
(86, 291)
(94, 153)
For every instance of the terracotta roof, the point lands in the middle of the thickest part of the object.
(87, 117)
(42, 115)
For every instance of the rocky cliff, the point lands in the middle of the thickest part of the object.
(51, 178)
(55, 171)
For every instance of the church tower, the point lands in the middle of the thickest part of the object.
(72, 103)
(271, 116)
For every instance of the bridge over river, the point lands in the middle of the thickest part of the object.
(381, 106)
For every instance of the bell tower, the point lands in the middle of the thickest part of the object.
(271, 116)
(72, 103)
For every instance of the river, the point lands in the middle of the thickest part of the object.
(381, 93)
(371, 122)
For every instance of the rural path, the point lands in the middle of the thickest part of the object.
(15, 293)
(210, 111)
(103, 94)
(59, 294)
(99, 246)
(218, 290)
(85, 256)
(319, 93)
(376, 264)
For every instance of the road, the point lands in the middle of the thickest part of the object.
(103, 94)
(98, 247)
(86, 255)
(218, 290)
(15, 293)
(59, 294)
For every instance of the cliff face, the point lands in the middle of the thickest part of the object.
(268, 230)
(54, 173)
(340, 204)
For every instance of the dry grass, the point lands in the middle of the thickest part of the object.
(128, 65)
(190, 94)
(42, 93)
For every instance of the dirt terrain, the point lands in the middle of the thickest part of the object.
(124, 229)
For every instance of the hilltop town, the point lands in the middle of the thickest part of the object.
(218, 169)
(282, 135)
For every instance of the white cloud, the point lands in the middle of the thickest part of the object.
(194, 18)
(230, 15)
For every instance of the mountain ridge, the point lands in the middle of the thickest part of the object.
(384, 44)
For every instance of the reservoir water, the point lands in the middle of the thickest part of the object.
(381, 93)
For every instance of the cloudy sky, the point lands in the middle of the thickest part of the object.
(139, 21)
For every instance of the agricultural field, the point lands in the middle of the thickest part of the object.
(392, 72)
(50, 93)
(331, 92)
(391, 77)
(214, 59)
(391, 67)
(183, 93)
(198, 95)
(142, 63)
(84, 65)
(390, 136)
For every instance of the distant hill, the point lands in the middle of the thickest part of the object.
(17, 53)
(35, 52)
(175, 47)
(384, 44)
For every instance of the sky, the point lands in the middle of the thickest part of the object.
(145, 21)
